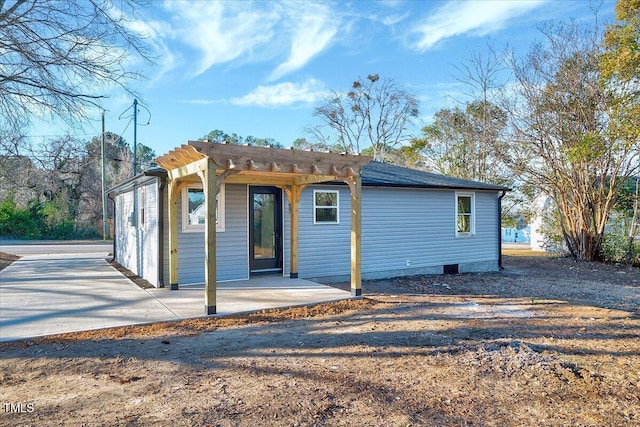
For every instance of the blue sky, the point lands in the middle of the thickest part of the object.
(259, 68)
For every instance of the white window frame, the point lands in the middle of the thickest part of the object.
(200, 228)
(142, 203)
(472, 231)
(337, 207)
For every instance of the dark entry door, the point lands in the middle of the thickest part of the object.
(265, 229)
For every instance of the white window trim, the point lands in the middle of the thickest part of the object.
(200, 228)
(473, 214)
(142, 203)
(337, 207)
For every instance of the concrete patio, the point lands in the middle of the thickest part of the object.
(241, 296)
(51, 293)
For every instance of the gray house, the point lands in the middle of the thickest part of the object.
(321, 216)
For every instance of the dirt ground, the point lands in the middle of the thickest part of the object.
(545, 342)
(6, 259)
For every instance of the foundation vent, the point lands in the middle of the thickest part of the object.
(450, 269)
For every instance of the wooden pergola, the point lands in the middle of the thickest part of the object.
(291, 170)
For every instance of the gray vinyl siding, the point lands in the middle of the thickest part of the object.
(137, 240)
(231, 244)
(125, 241)
(148, 229)
(398, 225)
(417, 227)
(323, 249)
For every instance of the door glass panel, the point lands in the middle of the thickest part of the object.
(264, 238)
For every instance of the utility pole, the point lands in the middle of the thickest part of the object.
(105, 229)
(135, 137)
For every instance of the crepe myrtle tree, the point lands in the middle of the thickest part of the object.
(620, 66)
(570, 135)
(375, 112)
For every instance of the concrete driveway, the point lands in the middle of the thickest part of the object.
(64, 288)
(58, 288)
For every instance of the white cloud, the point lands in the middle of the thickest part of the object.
(165, 60)
(155, 33)
(150, 28)
(391, 20)
(479, 17)
(201, 101)
(222, 32)
(390, 3)
(283, 94)
(315, 28)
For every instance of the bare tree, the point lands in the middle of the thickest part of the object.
(564, 141)
(64, 176)
(481, 75)
(465, 143)
(15, 168)
(58, 57)
(375, 113)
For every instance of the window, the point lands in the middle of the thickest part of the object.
(194, 209)
(325, 207)
(142, 198)
(465, 215)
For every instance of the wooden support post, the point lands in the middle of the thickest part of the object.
(209, 184)
(173, 233)
(295, 198)
(355, 185)
(293, 194)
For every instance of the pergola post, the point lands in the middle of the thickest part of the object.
(355, 185)
(173, 233)
(208, 177)
(293, 194)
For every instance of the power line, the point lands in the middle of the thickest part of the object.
(58, 135)
(134, 116)
(141, 105)
(126, 127)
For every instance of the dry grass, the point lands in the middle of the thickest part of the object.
(546, 342)
(7, 259)
(200, 325)
(525, 252)
(143, 283)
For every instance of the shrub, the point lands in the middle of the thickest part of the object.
(551, 230)
(40, 221)
(17, 222)
(616, 247)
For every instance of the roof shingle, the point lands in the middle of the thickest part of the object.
(388, 175)
(378, 174)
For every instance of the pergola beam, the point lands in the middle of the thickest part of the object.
(315, 179)
(265, 159)
(242, 178)
(192, 168)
